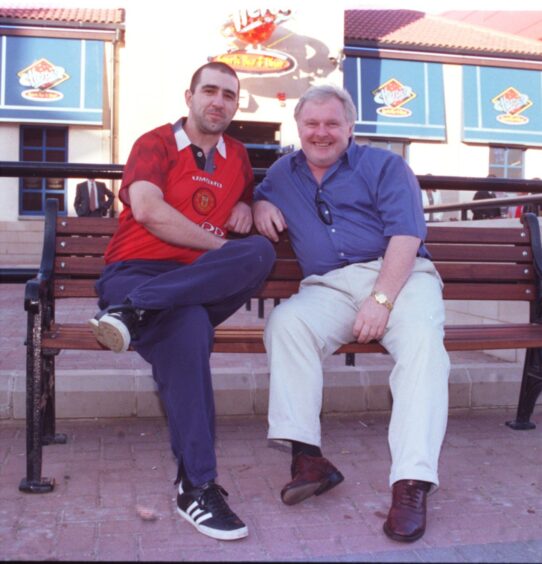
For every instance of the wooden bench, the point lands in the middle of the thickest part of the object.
(476, 263)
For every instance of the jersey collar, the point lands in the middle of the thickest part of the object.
(182, 140)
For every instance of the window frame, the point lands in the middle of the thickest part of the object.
(46, 150)
(494, 169)
(386, 144)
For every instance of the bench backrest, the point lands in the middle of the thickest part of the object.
(480, 263)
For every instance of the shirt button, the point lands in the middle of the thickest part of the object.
(342, 254)
(200, 154)
(333, 230)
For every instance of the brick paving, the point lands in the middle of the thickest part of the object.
(115, 501)
(114, 498)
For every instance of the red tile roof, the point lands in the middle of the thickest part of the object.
(524, 23)
(66, 15)
(408, 29)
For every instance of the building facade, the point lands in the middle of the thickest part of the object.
(80, 85)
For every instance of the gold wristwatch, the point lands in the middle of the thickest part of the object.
(382, 299)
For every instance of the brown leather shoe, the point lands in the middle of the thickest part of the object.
(407, 517)
(311, 475)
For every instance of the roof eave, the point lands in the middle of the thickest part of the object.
(436, 50)
(29, 22)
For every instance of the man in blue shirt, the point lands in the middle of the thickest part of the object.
(354, 216)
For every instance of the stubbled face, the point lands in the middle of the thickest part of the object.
(214, 102)
(324, 131)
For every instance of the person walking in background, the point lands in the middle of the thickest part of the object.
(93, 198)
(485, 213)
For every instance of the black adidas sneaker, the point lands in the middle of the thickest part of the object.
(206, 508)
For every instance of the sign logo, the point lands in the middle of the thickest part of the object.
(42, 76)
(257, 61)
(204, 201)
(393, 95)
(512, 103)
(253, 28)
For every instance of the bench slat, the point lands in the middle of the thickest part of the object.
(484, 272)
(471, 234)
(95, 246)
(436, 233)
(480, 253)
(92, 246)
(92, 266)
(88, 266)
(86, 225)
(232, 339)
(278, 289)
(488, 291)
(289, 270)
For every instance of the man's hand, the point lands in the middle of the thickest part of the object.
(268, 219)
(371, 321)
(240, 220)
(397, 266)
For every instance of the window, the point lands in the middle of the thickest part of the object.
(505, 162)
(48, 145)
(386, 89)
(262, 141)
(398, 147)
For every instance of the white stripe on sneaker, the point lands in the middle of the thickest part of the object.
(208, 512)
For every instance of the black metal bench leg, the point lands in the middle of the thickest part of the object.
(34, 482)
(50, 436)
(531, 386)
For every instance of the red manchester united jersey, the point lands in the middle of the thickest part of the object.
(206, 198)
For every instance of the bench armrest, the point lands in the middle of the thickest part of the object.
(39, 289)
(36, 290)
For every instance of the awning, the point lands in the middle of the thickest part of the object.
(49, 80)
(502, 105)
(396, 98)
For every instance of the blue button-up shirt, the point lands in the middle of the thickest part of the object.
(372, 195)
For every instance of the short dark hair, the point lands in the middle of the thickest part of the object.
(213, 65)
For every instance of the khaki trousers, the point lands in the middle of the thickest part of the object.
(307, 328)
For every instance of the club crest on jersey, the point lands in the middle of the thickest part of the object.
(204, 201)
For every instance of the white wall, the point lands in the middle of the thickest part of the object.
(9, 187)
(160, 55)
(158, 61)
(533, 163)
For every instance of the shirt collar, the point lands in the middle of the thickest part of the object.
(183, 141)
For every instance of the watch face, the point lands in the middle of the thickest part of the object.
(382, 299)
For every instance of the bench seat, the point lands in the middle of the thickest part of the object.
(231, 339)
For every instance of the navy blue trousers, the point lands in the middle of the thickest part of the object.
(177, 341)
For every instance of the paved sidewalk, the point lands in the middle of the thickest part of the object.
(114, 498)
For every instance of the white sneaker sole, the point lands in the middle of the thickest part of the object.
(111, 333)
(214, 533)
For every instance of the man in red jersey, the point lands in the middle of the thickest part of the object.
(171, 275)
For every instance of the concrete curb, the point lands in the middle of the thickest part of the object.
(243, 390)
